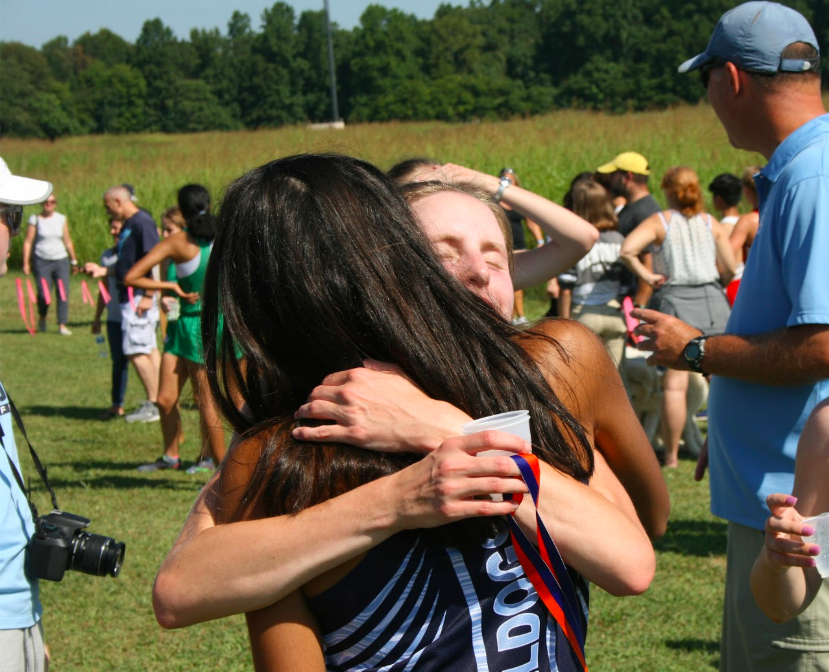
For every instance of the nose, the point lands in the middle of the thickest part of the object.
(476, 274)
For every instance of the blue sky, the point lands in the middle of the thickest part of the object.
(37, 21)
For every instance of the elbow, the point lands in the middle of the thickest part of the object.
(591, 238)
(635, 577)
(656, 529)
(168, 602)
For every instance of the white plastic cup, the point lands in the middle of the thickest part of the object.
(821, 538)
(511, 422)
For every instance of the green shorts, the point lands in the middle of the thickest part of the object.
(751, 641)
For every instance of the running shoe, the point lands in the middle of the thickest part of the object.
(64, 331)
(161, 464)
(147, 412)
(205, 466)
(41, 324)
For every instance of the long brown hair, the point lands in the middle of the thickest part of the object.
(319, 264)
(592, 202)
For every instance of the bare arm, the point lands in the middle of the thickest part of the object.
(743, 234)
(31, 232)
(215, 570)
(571, 236)
(565, 300)
(726, 263)
(285, 637)
(783, 579)
(648, 232)
(535, 229)
(99, 310)
(67, 241)
(166, 249)
(796, 355)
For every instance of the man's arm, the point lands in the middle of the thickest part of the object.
(796, 355)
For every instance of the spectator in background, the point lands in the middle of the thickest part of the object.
(727, 190)
(744, 231)
(410, 170)
(590, 293)
(172, 222)
(140, 316)
(627, 176)
(689, 246)
(115, 336)
(48, 250)
(21, 628)
(771, 368)
(519, 243)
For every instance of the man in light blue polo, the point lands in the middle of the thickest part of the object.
(770, 368)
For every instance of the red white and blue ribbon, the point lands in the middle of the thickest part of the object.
(543, 565)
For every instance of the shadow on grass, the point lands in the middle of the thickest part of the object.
(696, 646)
(71, 412)
(184, 482)
(694, 537)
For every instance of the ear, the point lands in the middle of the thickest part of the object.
(734, 78)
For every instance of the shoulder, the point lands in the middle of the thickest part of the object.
(572, 357)
(33, 220)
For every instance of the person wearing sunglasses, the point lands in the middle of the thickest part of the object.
(47, 250)
(21, 632)
(770, 368)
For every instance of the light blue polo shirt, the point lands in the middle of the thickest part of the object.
(753, 429)
(19, 603)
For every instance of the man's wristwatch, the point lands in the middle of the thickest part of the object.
(505, 184)
(694, 353)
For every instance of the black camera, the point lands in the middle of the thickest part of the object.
(59, 544)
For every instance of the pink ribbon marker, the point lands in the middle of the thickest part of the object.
(131, 295)
(86, 294)
(47, 296)
(32, 301)
(21, 302)
(104, 292)
(61, 290)
(630, 321)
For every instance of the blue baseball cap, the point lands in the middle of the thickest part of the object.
(753, 35)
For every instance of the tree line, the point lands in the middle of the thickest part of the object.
(491, 60)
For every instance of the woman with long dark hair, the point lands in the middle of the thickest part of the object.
(320, 264)
(183, 358)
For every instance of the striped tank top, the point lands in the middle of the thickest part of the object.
(688, 255)
(414, 603)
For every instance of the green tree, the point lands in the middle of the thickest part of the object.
(113, 97)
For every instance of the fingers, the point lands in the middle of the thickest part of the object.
(332, 433)
(385, 367)
(779, 502)
(490, 440)
(702, 465)
(649, 316)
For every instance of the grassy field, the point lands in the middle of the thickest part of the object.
(60, 384)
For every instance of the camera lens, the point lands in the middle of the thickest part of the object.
(97, 555)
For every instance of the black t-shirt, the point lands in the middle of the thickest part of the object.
(637, 212)
(138, 236)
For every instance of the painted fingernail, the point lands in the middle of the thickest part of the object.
(814, 549)
(791, 501)
(811, 562)
(807, 531)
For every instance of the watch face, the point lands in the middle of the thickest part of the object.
(692, 351)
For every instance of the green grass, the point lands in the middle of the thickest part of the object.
(60, 384)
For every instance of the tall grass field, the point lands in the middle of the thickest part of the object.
(61, 384)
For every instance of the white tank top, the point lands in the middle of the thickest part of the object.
(49, 240)
(688, 255)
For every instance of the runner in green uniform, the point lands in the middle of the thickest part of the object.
(183, 357)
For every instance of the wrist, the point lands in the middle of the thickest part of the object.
(74, 262)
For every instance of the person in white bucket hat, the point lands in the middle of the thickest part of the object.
(21, 632)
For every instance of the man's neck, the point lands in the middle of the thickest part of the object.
(636, 192)
(784, 113)
(130, 210)
(731, 212)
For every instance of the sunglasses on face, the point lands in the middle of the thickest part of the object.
(52, 201)
(705, 72)
(14, 217)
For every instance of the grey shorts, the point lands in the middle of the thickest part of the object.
(751, 641)
(139, 333)
(21, 650)
(704, 307)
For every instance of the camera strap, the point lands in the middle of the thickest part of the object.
(41, 470)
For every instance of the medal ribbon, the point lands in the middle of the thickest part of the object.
(544, 567)
(21, 302)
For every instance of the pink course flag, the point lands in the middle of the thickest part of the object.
(21, 302)
(47, 296)
(630, 321)
(86, 294)
(104, 292)
(32, 301)
(131, 295)
(61, 290)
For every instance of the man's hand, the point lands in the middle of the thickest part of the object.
(96, 325)
(666, 337)
(27, 269)
(144, 305)
(378, 407)
(94, 270)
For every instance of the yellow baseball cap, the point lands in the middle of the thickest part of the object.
(629, 162)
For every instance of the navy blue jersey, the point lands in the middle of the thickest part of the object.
(415, 604)
(138, 236)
